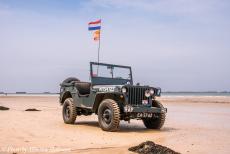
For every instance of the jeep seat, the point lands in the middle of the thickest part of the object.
(83, 87)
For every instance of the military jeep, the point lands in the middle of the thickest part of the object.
(112, 96)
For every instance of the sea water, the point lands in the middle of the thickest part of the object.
(195, 93)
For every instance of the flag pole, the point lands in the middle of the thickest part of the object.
(98, 50)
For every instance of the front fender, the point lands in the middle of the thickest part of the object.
(100, 96)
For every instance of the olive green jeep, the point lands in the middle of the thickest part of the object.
(112, 96)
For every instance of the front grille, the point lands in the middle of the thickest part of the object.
(136, 94)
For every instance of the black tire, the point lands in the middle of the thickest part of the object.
(69, 112)
(109, 115)
(155, 123)
(70, 79)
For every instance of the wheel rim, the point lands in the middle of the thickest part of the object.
(67, 112)
(107, 116)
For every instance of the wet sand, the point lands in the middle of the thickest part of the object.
(193, 125)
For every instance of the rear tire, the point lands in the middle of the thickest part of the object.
(69, 112)
(155, 123)
(109, 115)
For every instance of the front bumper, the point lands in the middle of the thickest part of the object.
(144, 109)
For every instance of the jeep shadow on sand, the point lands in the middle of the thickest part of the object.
(112, 96)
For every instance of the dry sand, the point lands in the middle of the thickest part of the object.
(193, 125)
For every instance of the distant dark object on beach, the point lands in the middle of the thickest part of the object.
(4, 108)
(150, 147)
(46, 92)
(20, 92)
(33, 109)
(2, 93)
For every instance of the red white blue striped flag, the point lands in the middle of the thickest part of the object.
(94, 25)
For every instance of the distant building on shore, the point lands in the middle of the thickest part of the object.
(46, 92)
(20, 92)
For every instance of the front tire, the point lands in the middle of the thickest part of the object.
(109, 115)
(155, 123)
(69, 112)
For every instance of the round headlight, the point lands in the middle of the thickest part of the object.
(123, 90)
(147, 93)
(151, 91)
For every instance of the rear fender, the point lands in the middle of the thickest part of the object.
(64, 96)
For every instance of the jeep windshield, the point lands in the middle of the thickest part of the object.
(109, 74)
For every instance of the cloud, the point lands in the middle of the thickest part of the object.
(161, 6)
(4, 10)
(195, 9)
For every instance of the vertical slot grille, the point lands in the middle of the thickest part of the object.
(136, 95)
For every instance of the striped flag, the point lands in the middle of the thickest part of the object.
(94, 25)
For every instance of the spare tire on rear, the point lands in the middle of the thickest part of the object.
(70, 79)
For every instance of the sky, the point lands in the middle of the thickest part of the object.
(178, 45)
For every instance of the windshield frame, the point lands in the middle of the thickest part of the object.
(98, 80)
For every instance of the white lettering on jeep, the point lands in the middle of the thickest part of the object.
(107, 89)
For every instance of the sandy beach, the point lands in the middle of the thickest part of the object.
(194, 124)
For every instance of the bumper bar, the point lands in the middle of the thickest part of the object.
(144, 109)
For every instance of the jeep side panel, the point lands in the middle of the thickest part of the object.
(84, 101)
(71, 91)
